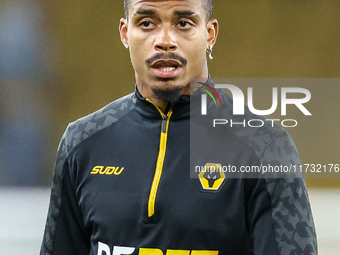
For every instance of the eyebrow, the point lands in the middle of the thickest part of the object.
(184, 13)
(145, 12)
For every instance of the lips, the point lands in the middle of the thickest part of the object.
(166, 68)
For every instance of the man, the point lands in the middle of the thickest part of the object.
(122, 183)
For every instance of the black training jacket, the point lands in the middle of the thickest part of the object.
(122, 185)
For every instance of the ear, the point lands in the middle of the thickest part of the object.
(212, 29)
(123, 30)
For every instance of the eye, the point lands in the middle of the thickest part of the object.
(146, 25)
(184, 25)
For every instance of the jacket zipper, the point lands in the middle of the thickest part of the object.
(160, 159)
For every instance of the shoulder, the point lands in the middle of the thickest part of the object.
(83, 128)
(258, 132)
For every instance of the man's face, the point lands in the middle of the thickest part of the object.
(168, 42)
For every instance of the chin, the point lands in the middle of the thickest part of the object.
(167, 93)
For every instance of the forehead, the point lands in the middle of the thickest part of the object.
(160, 6)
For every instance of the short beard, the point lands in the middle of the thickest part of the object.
(170, 95)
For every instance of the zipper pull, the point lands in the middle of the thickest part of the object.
(164, 121)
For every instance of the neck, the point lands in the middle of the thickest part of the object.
(162, 98)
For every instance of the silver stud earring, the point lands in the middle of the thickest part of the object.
(210, 52)
(126, 46)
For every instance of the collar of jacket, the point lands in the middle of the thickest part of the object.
(181, 109)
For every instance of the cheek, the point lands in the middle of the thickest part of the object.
(195, 49)
(197, 55)
(138, 51)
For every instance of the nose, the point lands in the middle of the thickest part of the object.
(165, 40)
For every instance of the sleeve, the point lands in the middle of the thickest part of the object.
(279, 215)
(64, 231)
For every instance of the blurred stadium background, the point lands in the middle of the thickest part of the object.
(60, 60)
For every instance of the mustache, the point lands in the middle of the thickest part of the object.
(166, 56)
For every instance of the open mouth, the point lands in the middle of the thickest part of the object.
(166, 68)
